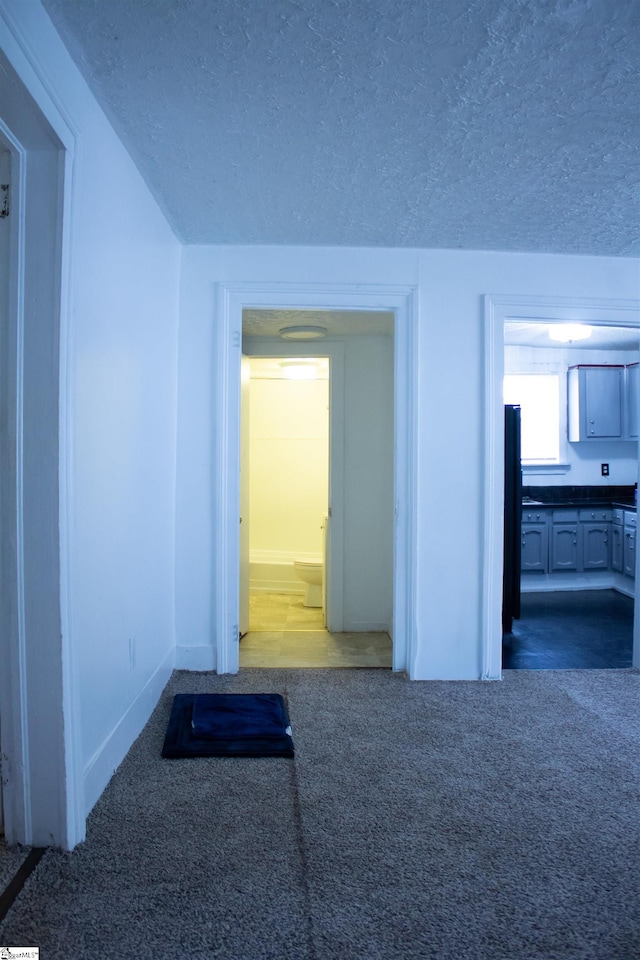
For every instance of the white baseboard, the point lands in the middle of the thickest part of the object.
(365, 626)
(110, 754)
(199, 658)
(566, 582)
(276, 586)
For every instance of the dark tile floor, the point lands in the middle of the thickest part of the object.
(572, 630)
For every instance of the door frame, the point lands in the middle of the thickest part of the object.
(497, 310)
(231, 300)
(44, 800)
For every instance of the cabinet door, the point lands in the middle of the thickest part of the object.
(629, 552)
(595, 402)
(564, 546)
(535, 547)
(633, 400)
(603, 401)
(617, 562)
(595, 546)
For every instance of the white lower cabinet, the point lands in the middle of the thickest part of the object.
(573, 539)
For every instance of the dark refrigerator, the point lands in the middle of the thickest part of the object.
(512, 518)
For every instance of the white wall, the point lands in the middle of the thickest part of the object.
(582, 460)
(368, 508)
(451, 285)
(289, 468)
(118, 401)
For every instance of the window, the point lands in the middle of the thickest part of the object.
(539, 397)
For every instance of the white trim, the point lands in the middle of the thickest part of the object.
(405, 479)
(76, 800)
(230, 300)
(19, 52)
(14, 722)
(497, 310)
(51, 808)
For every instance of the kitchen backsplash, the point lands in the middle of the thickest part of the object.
(623, 494)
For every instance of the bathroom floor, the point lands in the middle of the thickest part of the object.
(285, 633)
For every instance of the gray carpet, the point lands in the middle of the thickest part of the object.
(11, 859)
(490, 821)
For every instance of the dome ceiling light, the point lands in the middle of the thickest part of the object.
(303, 332)
(568, 332)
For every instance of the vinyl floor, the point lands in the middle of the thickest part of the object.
(571, 630)
(285, 633)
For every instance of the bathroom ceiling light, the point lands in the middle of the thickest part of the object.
(568, 332)
(299, 369)
(303, 332)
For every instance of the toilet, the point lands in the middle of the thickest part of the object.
(310, 572)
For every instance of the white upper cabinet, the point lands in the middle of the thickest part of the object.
(596, 402)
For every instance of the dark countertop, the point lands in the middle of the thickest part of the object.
(589, 504)
(604, 497)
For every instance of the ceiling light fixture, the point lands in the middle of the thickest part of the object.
(568, 332)
(299, 369)
(303, 332)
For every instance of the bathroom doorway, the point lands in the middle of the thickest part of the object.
(311, 601)
(285, 443)
(366, 304)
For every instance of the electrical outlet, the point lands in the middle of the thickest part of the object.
(132, 653)
(604, 469)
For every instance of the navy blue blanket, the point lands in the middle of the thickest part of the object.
(228, 725)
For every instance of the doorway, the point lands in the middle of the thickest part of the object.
(232, 300)
(321, 490)
(578, 612)
(42, 774)
(535, 317)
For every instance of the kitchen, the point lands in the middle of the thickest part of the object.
(573, 520)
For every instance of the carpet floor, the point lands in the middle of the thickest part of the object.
(452, 821)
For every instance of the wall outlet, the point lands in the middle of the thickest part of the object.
(604, 469)
(132, 653)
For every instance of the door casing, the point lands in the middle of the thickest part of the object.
(609, 313)
(231, 300)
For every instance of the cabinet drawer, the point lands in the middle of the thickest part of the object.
(596, 513)
(618, 515)
(565, 515)
(630, 518)
(535, 516)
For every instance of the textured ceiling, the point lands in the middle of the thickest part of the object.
(523, 334)
(476, 124)
(337, 323)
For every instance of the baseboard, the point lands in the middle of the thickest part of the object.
(108, 757)
(564, 582)
(276, 586)
(364, 626)
(199, 658)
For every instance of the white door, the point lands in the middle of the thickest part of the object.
(245, 393)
